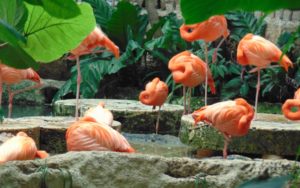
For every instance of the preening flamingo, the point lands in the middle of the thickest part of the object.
(95, 39)
(9, 76)
(289, 104)
(155, 94)
(20, 147)
(87, 134)
(257, 51)
(209, 31)
(231, 118)
(190, 71)
(100, 114)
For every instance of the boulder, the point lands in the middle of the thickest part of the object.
(135, 116)
(269, 134)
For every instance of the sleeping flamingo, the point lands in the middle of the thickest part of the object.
(257, 51)
(231, 118)
(100, 114)
(9, 76)
(20, 147)
(289, 104)
(190, 71)
(95, 39)
(88, 134)
(155, 94)
(209, 31)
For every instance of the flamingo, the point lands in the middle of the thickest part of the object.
(209, 31)
(231, 118)
(155, 94)
(190, 71)
(289, 104)
(9, 76)
(20, 147)
(257, 51)
(87, 134)
(101, 114)
(95, 39)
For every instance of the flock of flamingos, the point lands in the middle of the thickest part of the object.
(93, 131)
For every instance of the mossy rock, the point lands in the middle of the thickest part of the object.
(269, 134)
(48, 132)
(134, 116)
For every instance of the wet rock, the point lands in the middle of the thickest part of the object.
(270, 134)
(134, 116)
(111, 169)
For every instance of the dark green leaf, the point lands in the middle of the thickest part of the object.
(61, 9)
(195, 11)
(244, 89)
(9, 34)
(48, 38)
(234, 83)
(34, 2)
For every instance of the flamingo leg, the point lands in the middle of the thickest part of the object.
(226, 143)
(1, 93)
(214, 57)
(184, 101)
(157, 121)
(78, 87)
(206, 73)
(257, 93)
(189, 91)
(11, 95)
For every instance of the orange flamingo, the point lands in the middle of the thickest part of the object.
(87, 134)
(231, 118)
(100, 114)
(95, 39)
(9, 76)
(20, 147)
(190, 71)
(289, 104)
(209, 31)
(257, 51)
(155, 94)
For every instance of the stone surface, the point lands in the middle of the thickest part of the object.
(134, 116)
(48, 132)
(270, 134)
(111, 169)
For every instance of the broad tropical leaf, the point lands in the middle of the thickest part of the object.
(195, 11)
(9, 34)
(48, 38)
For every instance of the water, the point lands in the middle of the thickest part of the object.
(22, 110)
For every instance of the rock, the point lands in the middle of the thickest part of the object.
(112, 169)
(269, 134)
(135, 117)
(48, 132)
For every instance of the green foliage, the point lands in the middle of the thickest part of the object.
(241, 23)
(195, 11)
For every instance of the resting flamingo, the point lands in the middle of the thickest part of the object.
(88, 134)
(100, 114)
(257, 51)
(209, 31)
(231, 118)
(190, 71)
(9, 76)
(155, 94)
(95, 39)
(289, 104)
(20, 147)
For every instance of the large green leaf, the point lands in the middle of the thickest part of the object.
(10, 34)
(195, 11)
(48, 38)
(58, 8)
(102, 11)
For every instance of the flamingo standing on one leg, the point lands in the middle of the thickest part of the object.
(20, 147)
(88, 134)
(289, 104)
(190, 71)
(95, 39)
(257, 51)
(9, 75)
(155, 94)
(209, 31)
(232, 118)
